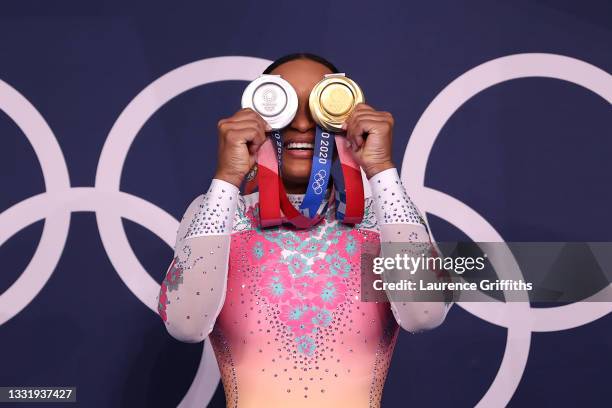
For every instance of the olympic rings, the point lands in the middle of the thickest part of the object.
(317, 184)
(56, 204)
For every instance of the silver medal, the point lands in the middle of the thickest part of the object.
(273, 98)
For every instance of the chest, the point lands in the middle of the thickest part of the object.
(300, 290)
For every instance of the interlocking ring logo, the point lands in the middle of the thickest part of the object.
(317, 184)
(110, 204)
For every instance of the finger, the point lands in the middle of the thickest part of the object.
(370, 127)
(354, 133)
(361, 107)
(348, 122)
(360, 110)
(349, 143)
(241, 114)
(252, 137)
(245, 111)
(243, 124)
(245, 135)
(358, 140)
(248, 113)
(256, 143)
(382, 114)
(364, 127)
(374, 116)
(360, 124)
(365, 110)
(385, 119)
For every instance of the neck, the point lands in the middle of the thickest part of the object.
(294, 188)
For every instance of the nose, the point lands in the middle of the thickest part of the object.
(303, 122)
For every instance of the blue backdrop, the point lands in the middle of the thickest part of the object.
(530, 155)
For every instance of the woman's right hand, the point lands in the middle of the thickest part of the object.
(240, 137)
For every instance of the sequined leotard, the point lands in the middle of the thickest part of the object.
(282, 306)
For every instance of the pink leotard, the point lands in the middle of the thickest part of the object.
(282, 306)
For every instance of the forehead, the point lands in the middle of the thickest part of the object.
(302, 74)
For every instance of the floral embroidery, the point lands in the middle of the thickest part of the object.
(306, 345)
(173, 278)
(303, 273)
(323, 318)
(329, 294)
(258, 251)
(304, 323)
(253, 214)
(345, 249)
(320, 267)
(304, 285)
(311, 247)
(264, 249)
(332, 234)
(276, 282)
(162, 302)
(350, 246)
(369, 220)
(297, 265)
(290, 241)
(241, 221)
(294, 310)
(338, 266)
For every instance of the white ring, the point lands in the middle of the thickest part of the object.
(17, 217)
(457, 213)
(56, 204)
(108, 179)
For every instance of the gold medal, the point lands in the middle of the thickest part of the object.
(332, 101)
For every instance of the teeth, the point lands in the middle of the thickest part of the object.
(295, 145)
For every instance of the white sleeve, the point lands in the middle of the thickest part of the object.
(193, 291)
(400, 222)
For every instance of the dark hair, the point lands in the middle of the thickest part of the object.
(298, 56)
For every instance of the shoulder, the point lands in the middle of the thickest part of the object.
(193, 207)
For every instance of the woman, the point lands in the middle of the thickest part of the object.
(282, 305)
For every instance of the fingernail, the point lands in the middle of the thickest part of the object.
(343, 126)
(268, 128)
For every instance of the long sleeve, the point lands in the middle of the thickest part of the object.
(400, 222)
(193, 291)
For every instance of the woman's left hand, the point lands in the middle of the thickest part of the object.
(369, 134)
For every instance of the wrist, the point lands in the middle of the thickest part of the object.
(229, 178)
(374, 169)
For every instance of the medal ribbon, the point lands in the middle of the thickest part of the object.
(273, 197)
(350, 199)
(319, 174)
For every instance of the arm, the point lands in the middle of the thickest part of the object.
(193, 291)
(400, 222)
(192, 294)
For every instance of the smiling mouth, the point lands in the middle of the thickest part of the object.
(299, 146)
